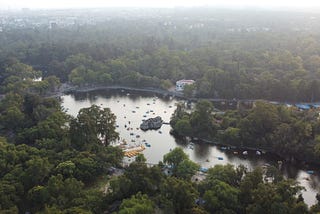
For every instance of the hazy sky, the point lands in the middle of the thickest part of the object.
(5, 4)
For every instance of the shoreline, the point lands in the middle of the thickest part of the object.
(67, 88)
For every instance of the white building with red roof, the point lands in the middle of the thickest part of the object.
(181, 83)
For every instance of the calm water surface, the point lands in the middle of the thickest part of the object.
(132, 107)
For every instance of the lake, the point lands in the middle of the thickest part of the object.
(131, 107)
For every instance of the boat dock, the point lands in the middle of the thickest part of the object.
(133, 151)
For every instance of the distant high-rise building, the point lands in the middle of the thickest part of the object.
(25, 9)
(53, 25)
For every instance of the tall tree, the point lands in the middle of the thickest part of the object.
(93, 125)
(137, 204)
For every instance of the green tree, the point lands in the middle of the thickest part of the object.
(175, 157)
(181, 193)
(248, 184)
(231, 136)
(9, 195)
(178, 114)
(87, 168)
(53, 83)
(65, 193)
(144, 179)
(279, 198)
(120, 187)
(183, 127)
(12, 117)
(38, 196)
(226, 173)
(317, 145)
(188, 90)
(221, 198)
(37, 170)
(20, 78)
(258, 126)
(186, 169)
(166, 84)
(91, 125)
(201, 119)
(181, 166)
(139, 203)
(66, 168)
(140, 158)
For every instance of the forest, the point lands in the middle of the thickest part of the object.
(230, 54)
(292, 134)
(52, 162)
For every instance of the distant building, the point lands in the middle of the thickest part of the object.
(53, 25)
(181, 83)
(25, 9)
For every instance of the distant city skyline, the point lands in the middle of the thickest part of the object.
(36, 4)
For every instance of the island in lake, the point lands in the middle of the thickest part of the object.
(151, 123)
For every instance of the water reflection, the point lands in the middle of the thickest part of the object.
(290, 171)
(202, 151)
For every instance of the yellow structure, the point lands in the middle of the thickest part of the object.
(134, 151)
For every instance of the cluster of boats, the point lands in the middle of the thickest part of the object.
(139, 145)
(236, 152)
(134, 151)
(246, 153)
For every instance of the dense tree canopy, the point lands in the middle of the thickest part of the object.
(136, 205)
(285, 131)
(180, 164)
(93, 125)
(199, 123)
(230, 54)
(41, 169)
(51, 162)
